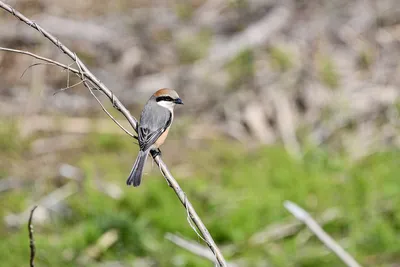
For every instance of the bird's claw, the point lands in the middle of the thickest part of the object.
(155, 152)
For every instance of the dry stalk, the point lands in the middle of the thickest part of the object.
(31, 239)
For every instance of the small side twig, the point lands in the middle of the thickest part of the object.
(68, 87)
(328, 241)
(194, 247)
(31, 239)
(191, 246)
(30, 66)
(50, 61)
(107, 112)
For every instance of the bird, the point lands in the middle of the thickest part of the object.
(152, 129)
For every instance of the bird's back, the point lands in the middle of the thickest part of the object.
(154, 116)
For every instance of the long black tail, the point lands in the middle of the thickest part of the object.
(135, 177)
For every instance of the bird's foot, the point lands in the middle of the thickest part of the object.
(155, 152)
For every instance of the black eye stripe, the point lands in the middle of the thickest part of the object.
(164, 98)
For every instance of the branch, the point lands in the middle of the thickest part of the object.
(85, 72)
(31, 239)
(305, 217)
(53, 62)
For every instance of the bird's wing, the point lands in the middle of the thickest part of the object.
(147, 137)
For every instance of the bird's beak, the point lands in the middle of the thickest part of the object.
(178, 101)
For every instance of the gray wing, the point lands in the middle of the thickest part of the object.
(154, 120)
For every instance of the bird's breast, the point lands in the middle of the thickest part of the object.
(162, 138)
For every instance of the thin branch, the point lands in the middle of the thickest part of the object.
(109, 114)
(120, 107)
(31, 239)
(68, 87)
(32, 65)
(328, 241)
(191, 246)
(50, 61)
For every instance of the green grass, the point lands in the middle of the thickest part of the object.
(237, 193)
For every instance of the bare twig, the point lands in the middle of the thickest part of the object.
(31, 239)
(68, 87)
(32, 65)
(120, 107)
(305, 217)
(109, 114)
(193, 247)
(50, 61)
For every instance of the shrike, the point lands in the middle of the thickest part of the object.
(155, 120)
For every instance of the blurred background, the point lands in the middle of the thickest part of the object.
(284, 100)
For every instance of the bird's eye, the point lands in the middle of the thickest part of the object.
(164, 98)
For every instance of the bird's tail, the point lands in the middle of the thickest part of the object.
(135, 176)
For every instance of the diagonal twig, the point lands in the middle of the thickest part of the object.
(56, 63)
(109, 114)
(31, 239)
(191, 246)
(328, 241)
(68, 87)
(31, 66)
(120, 107)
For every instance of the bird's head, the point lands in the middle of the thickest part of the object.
(167, 98)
